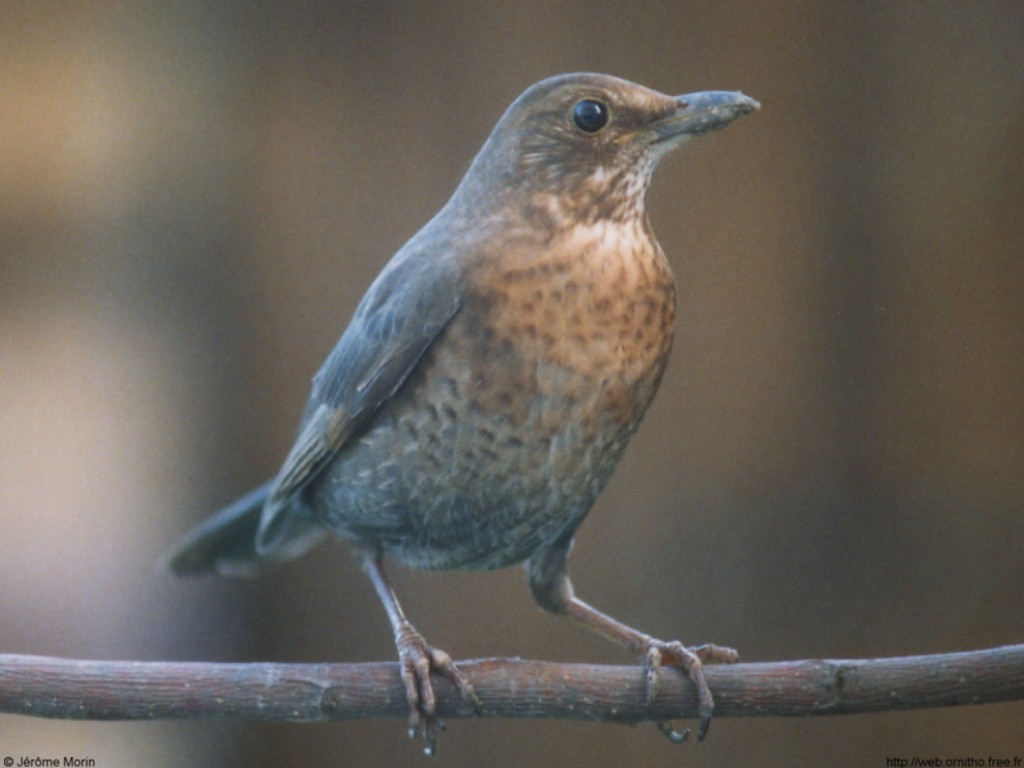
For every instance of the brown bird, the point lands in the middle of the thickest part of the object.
(491, 377)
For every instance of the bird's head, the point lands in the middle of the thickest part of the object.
(590, 142)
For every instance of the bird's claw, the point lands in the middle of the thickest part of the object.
(670, 733)
(658, 654)
(418, 660)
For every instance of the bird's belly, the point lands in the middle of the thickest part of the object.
(509, 427)
(451, 477)
(482, 468)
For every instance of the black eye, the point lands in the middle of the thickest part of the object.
(590, 116)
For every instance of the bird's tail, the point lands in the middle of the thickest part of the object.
(226, 543)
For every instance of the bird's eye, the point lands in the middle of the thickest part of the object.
(590, 116)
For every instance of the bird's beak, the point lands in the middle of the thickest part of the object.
(703, 112)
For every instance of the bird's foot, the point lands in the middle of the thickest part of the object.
(658, 654)
(418, 660)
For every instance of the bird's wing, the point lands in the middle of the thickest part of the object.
(403, 312)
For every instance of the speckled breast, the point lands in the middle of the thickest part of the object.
(511, 424)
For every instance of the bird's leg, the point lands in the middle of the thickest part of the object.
(549, 580)
(656, 654)
(418, 660)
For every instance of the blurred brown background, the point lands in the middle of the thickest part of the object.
(194, 196)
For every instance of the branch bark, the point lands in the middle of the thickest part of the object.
(508, 688)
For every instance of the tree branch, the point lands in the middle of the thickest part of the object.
(508, 688)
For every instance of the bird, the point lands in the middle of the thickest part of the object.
(492, 375)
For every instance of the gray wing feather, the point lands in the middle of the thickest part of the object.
(404, 311)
